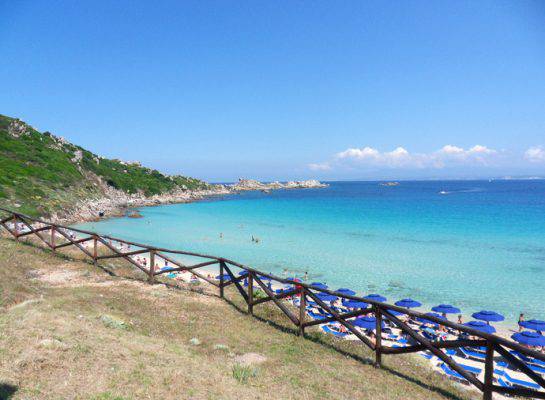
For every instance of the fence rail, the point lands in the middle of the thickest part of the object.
(497, 348)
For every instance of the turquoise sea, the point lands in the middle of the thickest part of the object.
(474, 244)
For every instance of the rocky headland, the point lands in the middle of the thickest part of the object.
(113, 202)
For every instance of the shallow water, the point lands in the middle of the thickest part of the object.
(475, 244)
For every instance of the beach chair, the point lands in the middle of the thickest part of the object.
(473, 355)
(453, 374)
(510, 381)
(528, 360)
(314, 315)
(333, 332)
(427, 356)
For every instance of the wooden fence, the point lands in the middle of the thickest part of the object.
(20, 226)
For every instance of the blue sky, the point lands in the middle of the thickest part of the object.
(280, 90)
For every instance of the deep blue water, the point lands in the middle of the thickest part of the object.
(479, 245)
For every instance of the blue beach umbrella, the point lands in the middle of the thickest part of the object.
(446, 309)
(375, 297)
(166, 269)
(408, 303)
(366, 322)
(226, 277)
(488, 316)
(171, 275)
(319, 285)
(481, 326)
(326, 297)
(264, 278)
(348, 292)
(534, 325)
(355, 304)
(243, 273)
(529, 338)
(427, 321)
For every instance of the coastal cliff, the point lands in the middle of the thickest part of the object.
(45, 175)
(113, 202)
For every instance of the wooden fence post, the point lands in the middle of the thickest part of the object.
(222, 271)
(302, 311)
(488, 371)
(95, 250)
(378, 337)
(250, 293)
(16, 228)
(151, 276)
(52, 240)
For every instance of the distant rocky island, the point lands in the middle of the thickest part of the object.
(250, 184)
(44, 175)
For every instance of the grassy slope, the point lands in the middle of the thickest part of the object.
(53, 343)
(37, 172)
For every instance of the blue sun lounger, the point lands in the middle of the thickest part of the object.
(528, 360)
(327, 329)
(469, 353)
(447, 370)
(514, 381)
(451, 373)
(317, 315)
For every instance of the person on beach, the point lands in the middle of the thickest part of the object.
(521, 319)
(460, 321)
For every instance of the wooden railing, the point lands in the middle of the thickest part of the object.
(21, 226)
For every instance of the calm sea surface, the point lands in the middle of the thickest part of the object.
(474, 244)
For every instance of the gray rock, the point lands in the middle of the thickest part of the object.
(250, 359)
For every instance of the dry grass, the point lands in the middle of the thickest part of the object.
(70, 331)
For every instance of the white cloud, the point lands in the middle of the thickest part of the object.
(478, 149)
(320, 166)
(363, 153)
(535, 154)
(450, 149)
(399, 157)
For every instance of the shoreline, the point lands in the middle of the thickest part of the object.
(504, 328)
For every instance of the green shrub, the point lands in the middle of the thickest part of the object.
(243, 373)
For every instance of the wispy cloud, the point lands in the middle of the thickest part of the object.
(400, 157)
(320, 166)
(535, 154)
